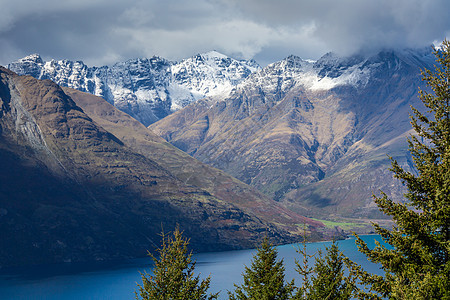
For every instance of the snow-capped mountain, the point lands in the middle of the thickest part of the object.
(331, 70)
(208, 74)
(147, 89)
(313, 134)
(324, 74)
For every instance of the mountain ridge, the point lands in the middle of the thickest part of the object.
(148, 89)
(295, 126)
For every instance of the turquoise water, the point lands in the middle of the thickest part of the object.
(117, 281)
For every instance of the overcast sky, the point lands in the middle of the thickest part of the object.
(101, 32)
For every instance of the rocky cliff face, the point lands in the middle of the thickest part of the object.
(146, 89)
(75, 185)
(311, 134)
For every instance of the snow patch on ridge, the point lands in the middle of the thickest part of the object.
(312, 75)
(354, 76)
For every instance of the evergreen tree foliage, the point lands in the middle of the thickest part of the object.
(417, 266)
(173, 273)
(264, 280)
(326, 280)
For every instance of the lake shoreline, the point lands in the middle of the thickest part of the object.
(118, 280)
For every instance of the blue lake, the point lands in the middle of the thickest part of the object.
(118, 280)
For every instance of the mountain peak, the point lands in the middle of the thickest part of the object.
(36, 58)
(213, 54)
(290, 64)
(294, 61)
(421, 57)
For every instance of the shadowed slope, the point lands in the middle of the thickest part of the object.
(72, 191)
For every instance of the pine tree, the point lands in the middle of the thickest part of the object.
(304, 269)
(417, 266)
(326, 280)
(264, 280)
(173, 273)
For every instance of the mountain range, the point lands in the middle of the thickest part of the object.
(300, 138)
(81, 180)
(313, 135)
(146, 89)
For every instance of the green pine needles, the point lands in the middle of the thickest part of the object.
(417, 266)
(331, 277)
(325, 280)
(173, 274)
(264, 280)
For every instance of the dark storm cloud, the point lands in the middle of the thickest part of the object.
(351, 25)
(103, 32)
